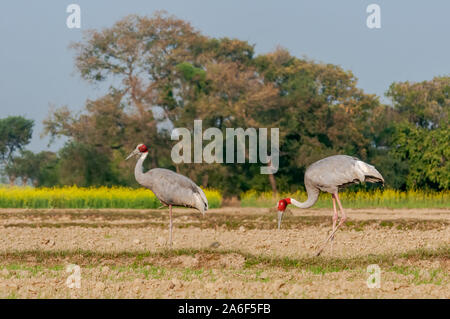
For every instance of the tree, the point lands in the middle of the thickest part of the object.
(425, 104)
(427, 153)
(41, 168)
(159, 61)
(381, 131)
(321, 112)
(421, 136)
(47, 174)
(160, 69)
(84, 165)
(138, 55)
(225, 94)
(15, 133)
(24, 166)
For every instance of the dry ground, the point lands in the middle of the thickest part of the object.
(229, 253)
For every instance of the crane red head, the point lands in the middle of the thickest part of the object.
(140, 149)
(282, 204)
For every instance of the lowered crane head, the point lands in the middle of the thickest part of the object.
(282, 204)
(141, 148)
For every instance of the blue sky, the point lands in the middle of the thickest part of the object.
(37, 69)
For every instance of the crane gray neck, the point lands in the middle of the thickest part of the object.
(138, 170)
(313, 195)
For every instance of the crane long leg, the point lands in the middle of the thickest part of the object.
(335, 218)
(341, 222)
(344, 216)
(170, 225)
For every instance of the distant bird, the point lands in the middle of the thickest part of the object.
(329, 175)
(171, 188)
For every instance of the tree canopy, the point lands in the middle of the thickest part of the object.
(164, 73)
(15, 133)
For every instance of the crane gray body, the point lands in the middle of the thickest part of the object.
(171, 188)
(337, 171)
(329, 175)
(333, 173)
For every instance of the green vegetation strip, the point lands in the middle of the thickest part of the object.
(138, 258)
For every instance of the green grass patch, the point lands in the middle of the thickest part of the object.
(137, 259)
(421, 276)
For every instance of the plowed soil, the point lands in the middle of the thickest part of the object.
(229, 253)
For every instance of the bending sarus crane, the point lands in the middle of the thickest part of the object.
(171, 188)
(329, 175)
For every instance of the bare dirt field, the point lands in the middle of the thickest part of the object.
(229, 253)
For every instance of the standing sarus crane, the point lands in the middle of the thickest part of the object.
(329, 175)
(172, 189)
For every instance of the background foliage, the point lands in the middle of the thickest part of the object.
(163, 73)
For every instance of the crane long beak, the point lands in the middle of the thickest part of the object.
(131, 154)
(280, 217)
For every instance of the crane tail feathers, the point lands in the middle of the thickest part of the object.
(371, 174)
(201, 201)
